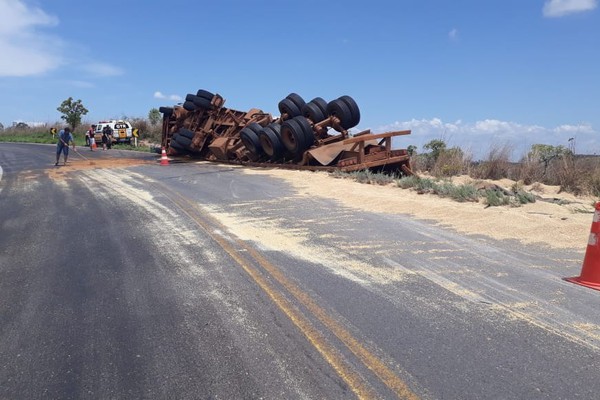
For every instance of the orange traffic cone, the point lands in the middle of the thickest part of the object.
(163, 157)
(590, 272)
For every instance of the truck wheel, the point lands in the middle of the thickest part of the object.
(296, 99)
(337, 108)
(313, 112)
(354, 110)
(253, 126)
(188, 105)
(190, 97)
(251, 141)
(174, 144)
(292, 136)
(201, 102)
(270, 142)
(321, 103)
(287, 106)
(167, 111)
(182, 140)
(309, 135)
(187, 133)
(205, 94)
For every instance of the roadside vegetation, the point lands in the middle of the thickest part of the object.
(72, 111)
(543, 164)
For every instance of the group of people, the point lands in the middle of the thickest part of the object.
(107, 134)
(65, 138)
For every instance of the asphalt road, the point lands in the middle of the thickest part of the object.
(120, 278)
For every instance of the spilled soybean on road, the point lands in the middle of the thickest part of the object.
(120, 278)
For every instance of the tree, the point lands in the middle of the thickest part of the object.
(72, 112)
(436, 146)
(1, 127)
(154, 116)
(411, 150)
(545, 153)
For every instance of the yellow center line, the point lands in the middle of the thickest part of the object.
(358, 385)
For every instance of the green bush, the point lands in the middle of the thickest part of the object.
(494, 198)
(462, 193)
(407, 182)
(523, 197)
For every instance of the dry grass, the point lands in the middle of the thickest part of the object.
(579, 175)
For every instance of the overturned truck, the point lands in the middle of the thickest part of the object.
(311, 135)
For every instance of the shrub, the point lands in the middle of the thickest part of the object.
(462, 193)
(406, 182)
(494, 198)
(525, 197)
(496, 165)
(449, 162)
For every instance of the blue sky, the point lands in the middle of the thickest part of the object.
(476, 73)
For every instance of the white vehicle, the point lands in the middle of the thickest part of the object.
(121, 130)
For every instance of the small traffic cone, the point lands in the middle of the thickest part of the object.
(163, 157)
(590, 272)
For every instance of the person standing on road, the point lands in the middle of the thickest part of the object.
(92, 142)
(105, 138)
(89, 134)
(62, 146)
(107, 130)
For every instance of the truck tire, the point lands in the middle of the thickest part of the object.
(337, 108)
(253, 126)
(188, 105)
(292, 136)
(166, 110)
(287, 106)
(187, 133)
(201, 102)
(205, 94)
(313, 112)
(270, 142)
(190, 97)
(251, 142)
(321, 103)
(296, 99)
(354, 110)
(309, 135)
(174, 144)
(182, 140)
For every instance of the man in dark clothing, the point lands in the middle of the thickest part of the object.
(108, 133)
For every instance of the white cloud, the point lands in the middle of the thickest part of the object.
(479, 137)
(26, 50)
(160, 95)
(453, 34)
(581, 128)
(560, 8)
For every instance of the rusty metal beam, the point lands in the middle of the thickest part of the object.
(362, 138)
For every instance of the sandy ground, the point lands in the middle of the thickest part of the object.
(543, 222)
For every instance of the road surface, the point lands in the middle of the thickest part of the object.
(120, 278)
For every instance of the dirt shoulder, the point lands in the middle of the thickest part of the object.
(546, 223)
